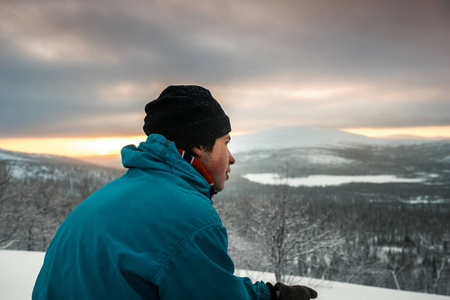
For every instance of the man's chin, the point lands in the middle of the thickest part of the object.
(218, 189)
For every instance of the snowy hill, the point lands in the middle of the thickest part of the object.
(49, 166)
(20, 268)
(300, 136)
(37, 158)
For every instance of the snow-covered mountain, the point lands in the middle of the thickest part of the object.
(300, 136)
(14, 156)
(45, 165)
(20, 269)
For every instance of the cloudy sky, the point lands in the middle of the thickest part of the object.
(83, 69)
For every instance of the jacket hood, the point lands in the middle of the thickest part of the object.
(158, 153)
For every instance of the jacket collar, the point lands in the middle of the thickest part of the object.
(158, 153)
(199, 167)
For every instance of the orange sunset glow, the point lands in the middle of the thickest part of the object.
(104, 146)
(435, 132)
(73, 147)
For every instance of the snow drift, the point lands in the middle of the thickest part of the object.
(19, 270)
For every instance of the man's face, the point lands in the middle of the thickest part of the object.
(218, 161)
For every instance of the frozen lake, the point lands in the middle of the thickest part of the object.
(326, 180)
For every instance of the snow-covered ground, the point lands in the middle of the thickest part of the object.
(18, 271)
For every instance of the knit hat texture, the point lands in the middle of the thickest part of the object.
(187, 115)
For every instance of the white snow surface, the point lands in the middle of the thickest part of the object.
(18, 272)
(19, 269)
(7, 156)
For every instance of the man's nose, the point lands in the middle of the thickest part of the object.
(232, 160)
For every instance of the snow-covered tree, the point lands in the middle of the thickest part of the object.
(8, 211)
(283, 229)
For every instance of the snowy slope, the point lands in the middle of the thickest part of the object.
(46, 166)
(293, 137)
(18, 271)
(301, 136)
(37, 158)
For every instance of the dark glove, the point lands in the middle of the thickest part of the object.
(294, 292)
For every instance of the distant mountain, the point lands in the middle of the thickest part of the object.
(300, 136)
(23, 157)
(111, 161)
(44, 165)
(294, 137)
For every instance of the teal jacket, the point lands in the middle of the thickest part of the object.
(151, 234)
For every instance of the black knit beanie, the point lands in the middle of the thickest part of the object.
(187, 115)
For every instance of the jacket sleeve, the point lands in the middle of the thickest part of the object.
(202, 269)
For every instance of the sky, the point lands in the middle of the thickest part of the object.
(72, 72)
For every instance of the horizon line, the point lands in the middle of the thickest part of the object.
(79, 147)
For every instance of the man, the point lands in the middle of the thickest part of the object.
(153, 233)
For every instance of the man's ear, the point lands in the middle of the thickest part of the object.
(197, 152)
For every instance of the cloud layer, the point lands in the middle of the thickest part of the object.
(87, 68)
